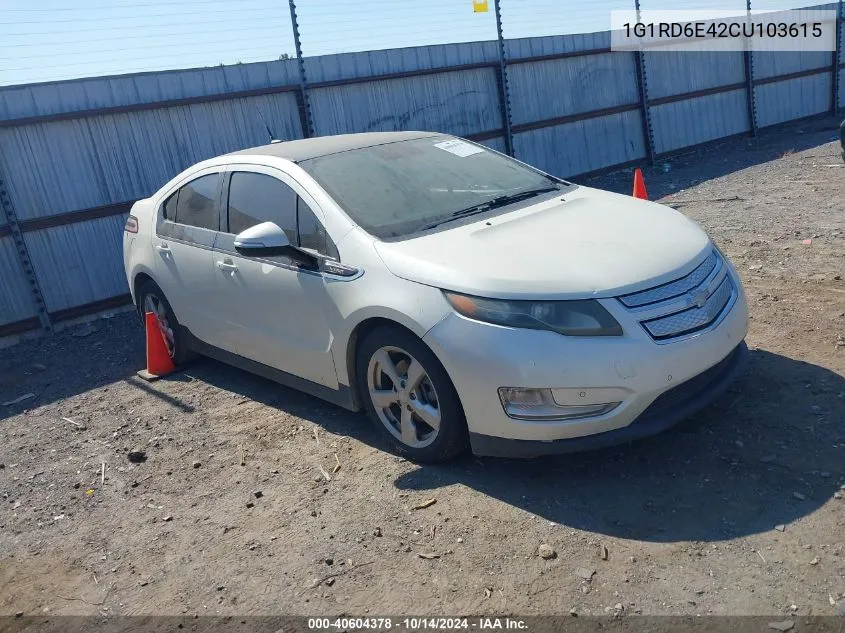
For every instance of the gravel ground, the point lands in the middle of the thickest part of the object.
(256, 499)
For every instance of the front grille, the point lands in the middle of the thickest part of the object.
(673, 288)
(680, 308)
(693, 319)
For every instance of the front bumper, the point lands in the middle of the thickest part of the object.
(666, 411)
(632, 369)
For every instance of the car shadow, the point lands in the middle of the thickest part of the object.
(767, 453)
(330, 417)
(770, 451)
(687, 168)
(80, 359)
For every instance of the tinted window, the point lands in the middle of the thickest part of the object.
(257, 198)
(312, 233)
(196, 205)
(395, 189)
(170, 207)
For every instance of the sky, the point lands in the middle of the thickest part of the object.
(54, 40)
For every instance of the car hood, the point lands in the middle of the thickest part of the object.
(586, 243)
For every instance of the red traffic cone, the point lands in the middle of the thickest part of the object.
(639, 185)
(159, 362)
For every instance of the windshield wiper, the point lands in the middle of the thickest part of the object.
(480, 208)
(498, 201)
(501, 201)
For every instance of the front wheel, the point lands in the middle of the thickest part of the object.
(409, 396)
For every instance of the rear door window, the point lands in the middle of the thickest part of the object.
(197, 203)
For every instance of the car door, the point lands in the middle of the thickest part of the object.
(187, 224)
(273, 310)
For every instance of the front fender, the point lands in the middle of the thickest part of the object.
(414, 306)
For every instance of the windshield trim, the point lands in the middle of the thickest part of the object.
(357, 149)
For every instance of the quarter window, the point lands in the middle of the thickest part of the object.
(170, 207)
(196, 204)
(256, 198)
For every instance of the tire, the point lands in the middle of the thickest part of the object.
(421, 395)
(151, 298)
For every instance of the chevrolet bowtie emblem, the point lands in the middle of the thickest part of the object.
(697, 298)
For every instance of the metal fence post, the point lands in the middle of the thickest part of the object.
(302, 97)
(502, 81)
(24, 259)
(748, 64)
(642, 88)
(837, 54)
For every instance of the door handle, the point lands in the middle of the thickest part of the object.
(227, 266)
(162, 248)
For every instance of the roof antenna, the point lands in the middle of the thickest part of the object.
(273, 139)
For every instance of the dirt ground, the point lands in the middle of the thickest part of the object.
(240, 507)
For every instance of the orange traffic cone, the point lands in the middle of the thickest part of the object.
(639, 185)
(159, 362)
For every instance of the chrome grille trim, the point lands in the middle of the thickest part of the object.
(691, 305)
(693, 319)
(673, 288)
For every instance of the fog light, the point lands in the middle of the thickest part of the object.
(538, 404)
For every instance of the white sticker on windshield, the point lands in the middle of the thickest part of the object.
(459, 148)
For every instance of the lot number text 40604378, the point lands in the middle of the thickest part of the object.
(417, 624)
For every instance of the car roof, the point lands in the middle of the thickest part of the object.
(303, 149)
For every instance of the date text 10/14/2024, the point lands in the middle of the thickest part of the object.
(416, 624)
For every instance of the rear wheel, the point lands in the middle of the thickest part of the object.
(409, 396)
(152, 299)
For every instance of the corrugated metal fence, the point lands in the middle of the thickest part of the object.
(74, 155)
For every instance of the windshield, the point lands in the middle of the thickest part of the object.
(395, 189)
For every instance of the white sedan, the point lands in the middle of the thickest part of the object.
(464, 299)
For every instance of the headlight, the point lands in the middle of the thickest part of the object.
(572, 318)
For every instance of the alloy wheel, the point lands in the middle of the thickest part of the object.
(403, 396)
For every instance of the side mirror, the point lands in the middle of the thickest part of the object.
(269, 240)
(262, 240)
